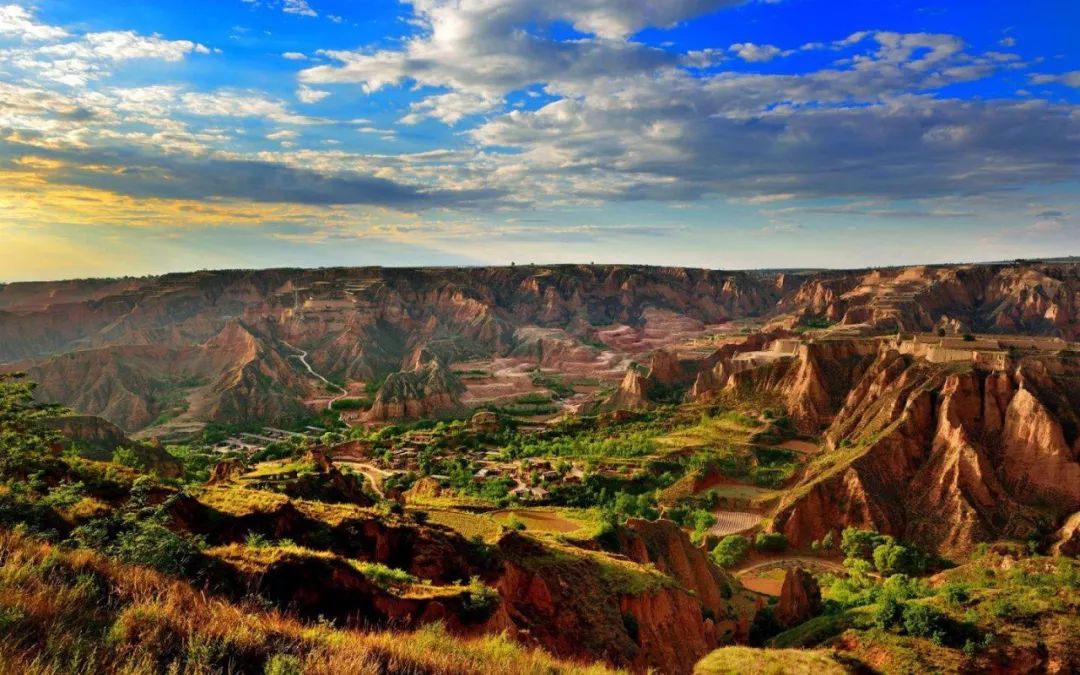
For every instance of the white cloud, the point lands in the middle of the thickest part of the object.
(449, 108)
(294, 56)
(1071, 79)
(241, 104)
(283, 135)
(17, 22)
(481, 53)
(306, 94)
(77, 60)
(748, 51)
(300, 7)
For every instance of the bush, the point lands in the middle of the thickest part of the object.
(770, 542)
(702, 520)
(921, 620)
(283, 664)
(956, 595)
(731, 550)
(482, 597)
(856, 543)
(386, 577)
(889, 613)
(893, 558)
(152, 544)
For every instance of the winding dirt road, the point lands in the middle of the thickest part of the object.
(301, 356)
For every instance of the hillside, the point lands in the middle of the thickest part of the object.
(556, 469)
(168, 354)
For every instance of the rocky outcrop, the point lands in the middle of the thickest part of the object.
(1067, 539)
(1037, 458)
(578, 607)
(632, 394)
(1029, 298)
(815, 383)
(663, 544)
(430, 390)
(327, 587)
(944, 456)
(800, 598)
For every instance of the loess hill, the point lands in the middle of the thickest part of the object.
(543, 469)
(167, 354)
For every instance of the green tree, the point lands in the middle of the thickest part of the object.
(889, 613)
(731, 550)
(770, 542)
(856, 543)
(893, 558)
(24, 440)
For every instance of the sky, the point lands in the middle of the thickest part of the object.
(141, 137)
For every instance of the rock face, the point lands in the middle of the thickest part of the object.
(429, 390)
(632, 394)
(97, 438)
(946, 454)
(1031, 298)
(184, 349)
(800, 598)
(1067, 539)
(571, 607)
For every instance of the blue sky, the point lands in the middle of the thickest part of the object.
(141, 137)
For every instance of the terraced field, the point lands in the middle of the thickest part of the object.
(733, 522)
(466, 524)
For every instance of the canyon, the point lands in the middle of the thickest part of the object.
(561, 454)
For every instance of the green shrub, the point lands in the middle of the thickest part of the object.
(283, 664)
(152, 544)
(889, 613)
(922, 620)
(856, 543)
(731, 550)
(481, 596)
(893, 558)
(770, 542)
(955, 594)
(386, 577)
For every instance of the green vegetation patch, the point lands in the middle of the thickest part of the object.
(741, 660)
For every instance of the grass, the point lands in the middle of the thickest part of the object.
(76, 612)
(564, 521)
(468, 525)
(237, 501)
(241, 501)
(718, 430)
(278, 468)
(821, 628)
(617, 574)
(334, 514)
(750, 661)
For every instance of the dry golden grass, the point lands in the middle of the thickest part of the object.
(240, 501)
(76, 612)
(750, 661)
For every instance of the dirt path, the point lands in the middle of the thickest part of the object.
(373, 474)
(302, 358)
(805, 560)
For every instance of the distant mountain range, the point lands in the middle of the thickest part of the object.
(167, 354)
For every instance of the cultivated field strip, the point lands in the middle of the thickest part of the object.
(733, 522)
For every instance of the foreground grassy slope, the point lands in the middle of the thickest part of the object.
(77, 612)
